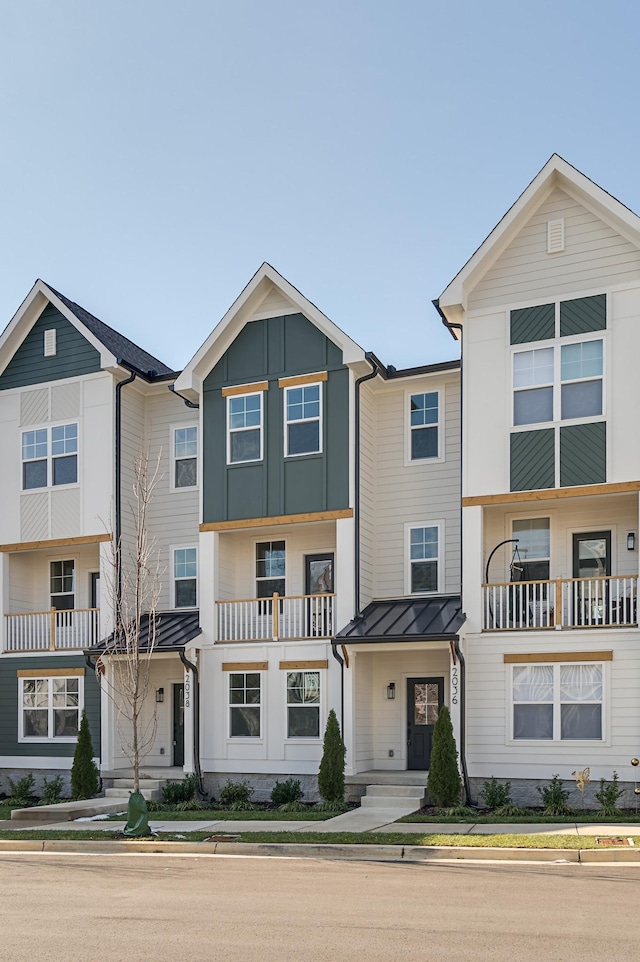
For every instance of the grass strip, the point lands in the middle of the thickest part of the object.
(622, 819)
(212, 815)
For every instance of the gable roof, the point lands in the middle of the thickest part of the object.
(243, 309)
(114, 348)
(555, 173)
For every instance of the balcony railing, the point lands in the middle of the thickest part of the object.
(52, 630)
(279, 618)
(605, 602)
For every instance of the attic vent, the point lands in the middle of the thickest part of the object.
(555, 236)
(50, 343)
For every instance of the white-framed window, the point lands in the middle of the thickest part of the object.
(424, 426)
(557, 702)
(245, 704)
(185, 577)
(533, 556)
(50, 456)
(303, 704)
(50, 708)
(185, 456)
(62, 585)
(271, 560)
(424, 565)
(560, 382)
(244, 428)
(303, 419)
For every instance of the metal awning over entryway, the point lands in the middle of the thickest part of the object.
(406, 619)
(173, 631)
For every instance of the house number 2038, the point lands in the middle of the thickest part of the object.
(187, 689)
(454, 685)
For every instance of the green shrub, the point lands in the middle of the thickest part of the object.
(495, 794)
(85, 780)
(443, 782)
(554, 798)
(21, 792)
(174, 793)
(190, 805)
(51, 790)
(608, 795)
(236, 796)
(511, 811)
(460, 811)
(283, 793)
(338, 805)
(331, 774)
(292, 807)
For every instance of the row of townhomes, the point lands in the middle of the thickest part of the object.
(336, 533)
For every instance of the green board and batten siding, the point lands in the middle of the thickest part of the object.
(74, 355)
(267, 350)
(533, 460)
(583, 315)
(9, 744)
(533, 324)
(583, 454)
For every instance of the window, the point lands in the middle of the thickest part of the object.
(534, 549)
(50, 456)
(424, 566)
(303, 431)
(579, 374)
(244, 423)
(62, 585)
(50, 708)
(185, 457)
(185, 577)
(270, 568)
(424, 418)
(303, 704)
(557, 702)
(244, 704)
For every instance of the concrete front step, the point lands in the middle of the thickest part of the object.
(406, 791)
(128, 783)
(66, 811)
(148, 793)
(392, 802)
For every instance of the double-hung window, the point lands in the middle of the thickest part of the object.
(424, 559)
(185, 577)
(303, 419)
(559, 383)
(244, 704)
(424, 425)
(244, 428)
(533, 386)
(558, 702)
(62, 585)
(303, 704)
(50, 707)
(581, 379)
(50, 456)
(185, 457)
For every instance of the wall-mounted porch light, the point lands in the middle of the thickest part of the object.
(391, 690)
(159, 695)
(631, 541)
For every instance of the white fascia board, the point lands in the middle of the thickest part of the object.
(190, 380)
(555, 173)
(107, 359)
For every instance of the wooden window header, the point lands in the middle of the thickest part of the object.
(245, 665)
(552, 494)
(303, 379)
(276, 520)
(55, 543)
(50, 672)
(302, 665)
(545, 657)
(245, 388)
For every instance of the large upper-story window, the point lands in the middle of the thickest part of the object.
(424, 427)
(185, 456)
(50, 456)
(558, 383)
(244, 428)
(303, 419)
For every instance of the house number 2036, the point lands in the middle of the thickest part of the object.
(187, 689)
(454, 685)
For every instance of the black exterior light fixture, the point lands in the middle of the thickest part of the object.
(391, 690)
(631, 541)
(159, 695)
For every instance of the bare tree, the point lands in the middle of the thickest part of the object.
(134, 585)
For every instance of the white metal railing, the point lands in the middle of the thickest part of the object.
(606, 602)
(52, 630)
(272, 619)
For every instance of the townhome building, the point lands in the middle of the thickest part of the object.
(548, 314)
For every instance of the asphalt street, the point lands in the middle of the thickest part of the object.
(77, 908)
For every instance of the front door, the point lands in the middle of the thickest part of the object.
(591, 561)
(319, 581)
(178, 725)
(425, 697)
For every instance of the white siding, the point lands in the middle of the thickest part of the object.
(132, 445)
(595, 255)
(367, 492)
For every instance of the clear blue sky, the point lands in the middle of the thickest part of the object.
(154, 153)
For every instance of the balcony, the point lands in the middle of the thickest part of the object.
(280, 618)
(604, 602)
(52, 630)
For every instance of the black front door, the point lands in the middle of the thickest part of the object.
(425, 697)
(178, 725)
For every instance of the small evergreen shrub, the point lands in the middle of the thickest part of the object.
(85, 780)
(496, 794)
(236, 796)
(51, 790)
(284, 793)
(554, 798)
(331, 774)
(443, 782)
(608, 795)
(21, 792)
(174, 793)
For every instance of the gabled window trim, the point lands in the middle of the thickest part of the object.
(229, 431)
(408, 528)
(174, 459)
(439, 425)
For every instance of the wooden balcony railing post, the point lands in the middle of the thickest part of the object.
(52, 630)
(275, 615)
(557, 603)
